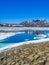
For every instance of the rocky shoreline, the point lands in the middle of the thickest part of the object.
(26, 54)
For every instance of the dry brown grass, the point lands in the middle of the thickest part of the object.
(27, 54)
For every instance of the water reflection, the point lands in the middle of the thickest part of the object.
(33, 31)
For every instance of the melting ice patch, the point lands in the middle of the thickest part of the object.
(6, 35)
(40, 36)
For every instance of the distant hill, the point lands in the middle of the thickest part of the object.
(35, 23)
(29, 23)
(10, 25)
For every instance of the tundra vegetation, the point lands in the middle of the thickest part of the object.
(26, 54)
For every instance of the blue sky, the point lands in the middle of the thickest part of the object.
(15, 11)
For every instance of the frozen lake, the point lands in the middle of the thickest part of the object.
(11, 39)
(23, 28)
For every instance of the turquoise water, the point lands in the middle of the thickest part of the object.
(21, 38)
(3, 45)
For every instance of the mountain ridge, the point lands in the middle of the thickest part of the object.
(35, 23)
(28, 23)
